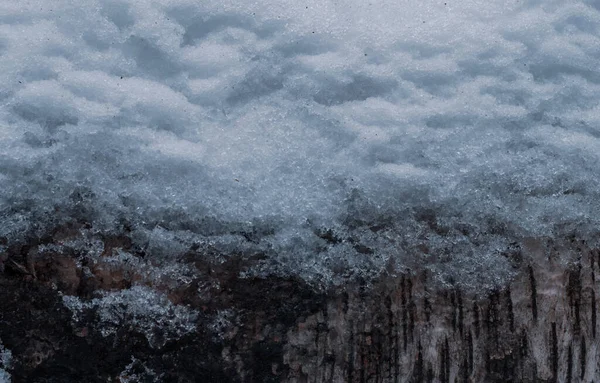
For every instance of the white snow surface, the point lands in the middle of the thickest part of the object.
(337, 137)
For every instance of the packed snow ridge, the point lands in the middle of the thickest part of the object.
(335, 137)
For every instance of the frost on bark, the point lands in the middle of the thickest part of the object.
(541, 327)
(65, 321)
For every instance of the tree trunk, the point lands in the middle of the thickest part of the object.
(405, 328)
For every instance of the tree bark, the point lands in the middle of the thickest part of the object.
(401, 328)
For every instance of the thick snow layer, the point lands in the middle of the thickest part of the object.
(338, 137)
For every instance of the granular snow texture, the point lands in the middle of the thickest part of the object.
(335, 137)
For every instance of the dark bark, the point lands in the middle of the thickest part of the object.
(281, 329)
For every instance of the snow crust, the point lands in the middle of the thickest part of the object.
(336, 137)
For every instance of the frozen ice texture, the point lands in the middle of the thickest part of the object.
(137, 371)
(338, 138)
(139, 308)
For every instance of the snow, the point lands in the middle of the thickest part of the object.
(140, 308)
(4, 376)
(5, 364)
(456, 126)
